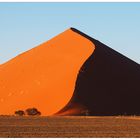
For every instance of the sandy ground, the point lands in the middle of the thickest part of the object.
(78, 126)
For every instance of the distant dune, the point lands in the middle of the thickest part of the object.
(69, 75)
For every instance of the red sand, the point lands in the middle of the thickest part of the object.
(44, 77)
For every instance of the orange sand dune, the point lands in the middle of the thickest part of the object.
(44, 77)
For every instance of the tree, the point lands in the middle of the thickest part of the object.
(19, 113)
(32, 112)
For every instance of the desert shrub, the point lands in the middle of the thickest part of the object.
(32, 112)
(87, 113)
(19, 113)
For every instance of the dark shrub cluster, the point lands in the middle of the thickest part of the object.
(19, 113)
(29, 111)
(32, 112)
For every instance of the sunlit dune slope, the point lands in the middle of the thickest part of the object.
(44, 77)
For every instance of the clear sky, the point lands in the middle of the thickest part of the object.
(26, 25)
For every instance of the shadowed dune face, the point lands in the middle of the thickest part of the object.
(109, 83)
(44, 77)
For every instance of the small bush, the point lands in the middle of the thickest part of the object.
(32, 112)
(19, 113)
(87, 113)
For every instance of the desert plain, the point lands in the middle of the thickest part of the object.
(69, 126)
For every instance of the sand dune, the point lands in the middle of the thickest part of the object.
(68, 75)
(44, 77)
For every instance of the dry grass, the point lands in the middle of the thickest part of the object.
(69, 126)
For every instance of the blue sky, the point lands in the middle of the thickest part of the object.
(26, 25)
